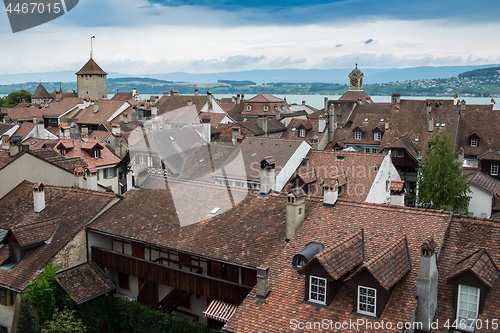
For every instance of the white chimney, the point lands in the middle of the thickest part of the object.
(430, 124)
(86, 102)
(38, 197)
(455, 99)
(462, 105)
(295, 211)
(321, 124)
(235, 133)
(263, 286)
(79, 180)
(92, 178)
(427, 285)
(196, 92)
(330, 192)
(116, 130)
(206, 128)
(134, 91)
(267, 176)
(96, 107)
(397, 193)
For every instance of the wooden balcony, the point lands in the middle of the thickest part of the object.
(191, 282)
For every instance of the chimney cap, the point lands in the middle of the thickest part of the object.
(428, 247)
(91, 171)
(397, 186)
(267, 163)
(331, 183)
(38, 187)
(205, 119)
(297, 192)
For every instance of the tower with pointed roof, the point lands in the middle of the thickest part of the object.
(41, 95)
(356, 79)
(92, 81)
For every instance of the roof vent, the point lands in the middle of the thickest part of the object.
(417, 139)
(215, 210)
(366, 119)
(171, 138)
(340, 157)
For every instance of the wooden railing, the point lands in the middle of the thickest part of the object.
(191, 282)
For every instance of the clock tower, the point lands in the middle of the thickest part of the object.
(356, 79)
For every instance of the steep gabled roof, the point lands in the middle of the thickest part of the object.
(391, 265)
(486, 183)
(343, 256)
(481, 265)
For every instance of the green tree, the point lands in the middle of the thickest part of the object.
(28, 320)
(440, 180)
(17, 97)
(62, 322)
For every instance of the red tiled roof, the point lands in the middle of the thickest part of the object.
(106, 108)
(391, 265)
(70, 207)
(76, 148)
(91, 67)
(343, 256)
(84, 282)
(383, 227)
(41, 93)
(397, 185)
(488, 184)
(481, 265)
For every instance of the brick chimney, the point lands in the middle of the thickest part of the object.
(262, 123)
(38, 197)
(397, 193)
(92, 178)
(427, 285)
(206, 128)
(263, 287)
(330, 192)
(267, 176)
(295, 211)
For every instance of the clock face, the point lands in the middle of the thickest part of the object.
(354, 82)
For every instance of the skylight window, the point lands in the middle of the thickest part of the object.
(171, 138)
(215, 210)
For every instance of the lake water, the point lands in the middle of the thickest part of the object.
(317, 101)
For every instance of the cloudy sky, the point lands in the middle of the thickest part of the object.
(163, 36)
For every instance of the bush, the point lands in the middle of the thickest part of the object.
(63, 321)
(28, 320)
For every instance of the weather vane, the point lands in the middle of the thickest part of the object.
(91, 47)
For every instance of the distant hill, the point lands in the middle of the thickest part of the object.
(372, 75)
(484, 73)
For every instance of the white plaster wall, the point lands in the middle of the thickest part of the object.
(34, 170)
(6, 316)
(113, 182)
(480, 202)
(98, 240)
(380, 191)
(291, 166)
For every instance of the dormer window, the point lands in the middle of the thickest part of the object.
(97, 153)
(467, 307)
(377, 136)
(63, 152)
(302, 133)
(358, 135)
(317, 289)
(266, 108)
(494, 169)
(473, 142)
(249, 108)
(367, 300)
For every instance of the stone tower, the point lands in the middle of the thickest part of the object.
(92, 81)
(356, 79)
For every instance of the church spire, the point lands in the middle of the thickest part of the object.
(356, 79)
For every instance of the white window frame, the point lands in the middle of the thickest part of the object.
(473, 142)
(464, 290)
(377, 136)
(360, 302)
(358, 135)
(302, 133)
(317, 292)
(494, 170)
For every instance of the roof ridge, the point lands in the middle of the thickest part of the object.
(335, 246)
(395, 207)
(383, 253)
(82, 189)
